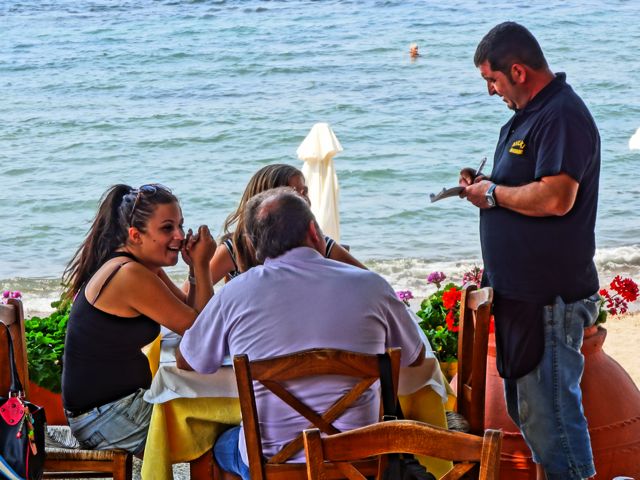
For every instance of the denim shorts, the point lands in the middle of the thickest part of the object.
(227, 453)
(546, 404)
(120, 424)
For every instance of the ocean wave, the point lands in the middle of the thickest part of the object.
(624, 260)
(401, 273)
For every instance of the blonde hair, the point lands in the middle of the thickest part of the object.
(271, 176)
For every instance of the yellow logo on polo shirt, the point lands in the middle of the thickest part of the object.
(517, 147)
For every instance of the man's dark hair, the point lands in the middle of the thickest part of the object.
(509, 43)
(276, 221)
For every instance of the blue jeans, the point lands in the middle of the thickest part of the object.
(227, 453)
(120, 424)
(546, 404)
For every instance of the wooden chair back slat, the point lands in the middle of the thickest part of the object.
(12, 315)
(274, 372)
(323, 422)
(301, 408)
(473, 339)
(249, 411)
(480, 297)
(308, 363)
(459, 470)
(407, 436)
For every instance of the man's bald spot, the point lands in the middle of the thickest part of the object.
(269, 205)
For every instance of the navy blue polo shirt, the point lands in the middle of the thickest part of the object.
(529, 261)
(535, 259)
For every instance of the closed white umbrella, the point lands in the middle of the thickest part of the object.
(317, 151)
(634, 141)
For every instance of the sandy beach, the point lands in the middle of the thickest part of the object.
(623, 335)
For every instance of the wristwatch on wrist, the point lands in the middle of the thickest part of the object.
(490, 197)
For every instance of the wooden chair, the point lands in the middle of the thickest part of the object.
(206, 467)
(273, 372)
(473, 338)
(60, 462)
(478, 457)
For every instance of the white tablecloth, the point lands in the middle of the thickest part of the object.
(170, 382)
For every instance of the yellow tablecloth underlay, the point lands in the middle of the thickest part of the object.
(183, 429)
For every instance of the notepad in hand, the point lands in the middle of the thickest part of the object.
(445, 193)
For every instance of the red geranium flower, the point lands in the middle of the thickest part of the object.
(616, 302)
(627, 288)
(451, 297)
(451, 322)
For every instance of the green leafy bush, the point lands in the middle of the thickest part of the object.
(45, 346)
(439, 320)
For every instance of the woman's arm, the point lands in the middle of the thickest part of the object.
(136, 289)
(340, 254)
(221, 264)
(172, 286)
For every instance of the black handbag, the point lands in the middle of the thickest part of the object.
(22, 427)
(400, 466)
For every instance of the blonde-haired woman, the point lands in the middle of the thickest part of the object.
(237, 256)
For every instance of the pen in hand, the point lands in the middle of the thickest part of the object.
(479, 170)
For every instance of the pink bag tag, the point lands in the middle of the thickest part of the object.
(12, 411)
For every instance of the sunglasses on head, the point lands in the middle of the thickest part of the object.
(148, 190)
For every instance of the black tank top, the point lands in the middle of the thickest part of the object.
(102, 358)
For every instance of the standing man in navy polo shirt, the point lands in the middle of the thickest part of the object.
(537, 221)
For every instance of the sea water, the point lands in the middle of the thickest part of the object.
(198, 95)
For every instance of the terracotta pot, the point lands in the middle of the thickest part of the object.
(449, 369)
(52, 403)
(612, 407)
(611, 403)
(515, 461)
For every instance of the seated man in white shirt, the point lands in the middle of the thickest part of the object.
(296, 300)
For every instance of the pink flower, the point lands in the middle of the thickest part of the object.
(7, 294)
(473, 276)
(436, 278)
(405, 296)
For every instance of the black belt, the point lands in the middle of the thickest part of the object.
(76, 413)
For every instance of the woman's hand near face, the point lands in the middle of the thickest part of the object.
(186, 255)
(201, 247)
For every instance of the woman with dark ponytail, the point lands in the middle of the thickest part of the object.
(121, 297)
